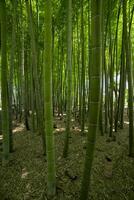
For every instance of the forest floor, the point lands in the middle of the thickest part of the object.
(24, 177)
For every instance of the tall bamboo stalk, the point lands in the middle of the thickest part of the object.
(48, 111)
(69, 76)
(94, 100)
(4, 83)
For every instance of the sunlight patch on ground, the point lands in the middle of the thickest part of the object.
(77, 129)
(72, 120)
(59, 130)
(24, 173)
(126, 122)
(1, 137)
(18, 129)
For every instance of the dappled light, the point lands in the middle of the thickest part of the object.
(1, 137)
(126, 122)
(24, 173)
(20, 128)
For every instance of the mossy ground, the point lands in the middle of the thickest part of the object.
(25, 175)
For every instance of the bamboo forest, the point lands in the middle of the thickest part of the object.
(66, 99)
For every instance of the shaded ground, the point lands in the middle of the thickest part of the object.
(24, 178)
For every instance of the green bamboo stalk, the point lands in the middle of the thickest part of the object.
(69, 77)
(130, 86)
(94, 101)
(83, 71)
(50, 149)
(4, 83)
